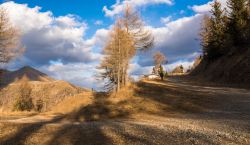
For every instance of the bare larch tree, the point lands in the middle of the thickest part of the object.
(9, 39)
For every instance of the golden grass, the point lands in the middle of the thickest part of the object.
(143, 98)
(18, 113)
(73, 103)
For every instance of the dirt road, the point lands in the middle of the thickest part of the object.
(189, 114)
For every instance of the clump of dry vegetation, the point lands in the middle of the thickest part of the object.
(39, 105)
(24, 100)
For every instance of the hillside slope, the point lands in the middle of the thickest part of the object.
(50, 91)
(233, 68)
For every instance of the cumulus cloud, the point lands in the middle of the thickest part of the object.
(100, 38)
(166, 19)
(186, 65)
(47, 37)
(78, 73)
(205, 8)
(119, 6)
(178, 40)
(137, 70)
(98, 22)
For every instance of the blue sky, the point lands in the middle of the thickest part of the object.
(91, 10)
(64, 38)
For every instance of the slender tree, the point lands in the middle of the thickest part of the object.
(142, 37)
(127, 36)
(248, 23)
(117, 52)
(159, 59)
(218, 28)
(9, 39)
(205, 34)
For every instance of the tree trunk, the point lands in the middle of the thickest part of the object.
(119, 67)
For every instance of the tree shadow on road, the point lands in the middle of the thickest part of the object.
(69, 129)
(26, 130)
(100, 109)
(200, 102)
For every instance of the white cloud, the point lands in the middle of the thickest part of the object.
(165, 20)
(179, 37)
(119, 6)
(77, 73)
(182, 12)
(186, 65)
(178, 40)
(28, 18)
(99, 22)
(47, 37)
(100, 38)
(136, 70)
(205, 8)
(69, 21)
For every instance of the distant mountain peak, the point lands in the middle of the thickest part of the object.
(26, 73)
(27, 67)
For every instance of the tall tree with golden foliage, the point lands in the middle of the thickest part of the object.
(142, 37)
(127, 36)
(159, 58)
(133, 24)
(118, 52)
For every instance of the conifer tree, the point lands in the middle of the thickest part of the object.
(213, 33)
(238, 24)
(218, 28)
(205, 34)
